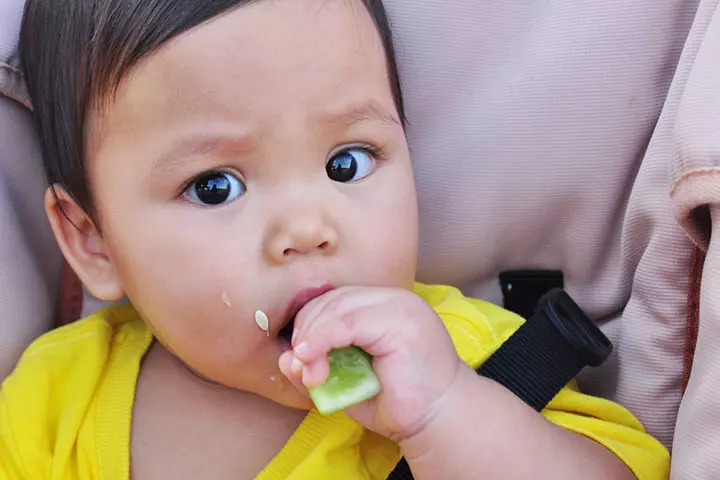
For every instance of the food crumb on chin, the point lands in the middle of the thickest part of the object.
(262, 321)
(226, 299)
(277, 381)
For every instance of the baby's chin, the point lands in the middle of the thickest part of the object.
(265, 378)
(273, 384)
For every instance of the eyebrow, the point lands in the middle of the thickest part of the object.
(191, 146)
(366, 112)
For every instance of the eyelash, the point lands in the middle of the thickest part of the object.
(378, 153)
(184, 186)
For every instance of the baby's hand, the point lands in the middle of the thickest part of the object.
(414, 357)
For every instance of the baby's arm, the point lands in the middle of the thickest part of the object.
(481, 430)
(448, 421)
(599, 423)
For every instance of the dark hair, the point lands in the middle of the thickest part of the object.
(76, 51)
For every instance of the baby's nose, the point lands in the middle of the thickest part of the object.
(302, 235)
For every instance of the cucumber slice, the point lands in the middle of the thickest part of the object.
(352, 380)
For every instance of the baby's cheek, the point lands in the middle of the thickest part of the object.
(182, 295)
(392, 253)
(201, 330)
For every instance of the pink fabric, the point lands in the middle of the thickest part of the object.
(29, 259)
(695, 177)
(529, 125)
(697, 437)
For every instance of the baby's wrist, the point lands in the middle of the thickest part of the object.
(447, 411)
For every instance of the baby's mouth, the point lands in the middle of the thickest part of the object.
(288, 329)
(301, 298)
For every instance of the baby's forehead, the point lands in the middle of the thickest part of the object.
(285, 37)
(243, 73)
(261, 57)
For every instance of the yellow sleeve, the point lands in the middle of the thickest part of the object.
(44, 404)
(12, 467)
(612, 426)
(479, 328)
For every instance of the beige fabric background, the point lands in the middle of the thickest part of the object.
(529, 125)
(543, 136)
(29, 259)
(695, 176)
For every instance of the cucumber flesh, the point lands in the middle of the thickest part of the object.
(352, 380)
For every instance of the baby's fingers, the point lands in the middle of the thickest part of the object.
(304, 376)
(317, 343)
(366, 328)
(310, 358)
(343, 304)
(316, 373)
(293, 373)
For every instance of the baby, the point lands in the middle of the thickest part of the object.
(213, 158)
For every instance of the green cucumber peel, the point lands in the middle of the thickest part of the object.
(352, 380)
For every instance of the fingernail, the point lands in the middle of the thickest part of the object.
(296, 366)
(302, 350)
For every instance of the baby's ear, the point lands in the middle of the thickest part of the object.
(82, 245)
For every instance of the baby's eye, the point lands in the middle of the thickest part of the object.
(350, 165)
(215, 188)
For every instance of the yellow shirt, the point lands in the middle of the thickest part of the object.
(65, 412)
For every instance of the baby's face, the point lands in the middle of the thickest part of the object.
(249, 164)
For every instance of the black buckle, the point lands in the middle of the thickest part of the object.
(522, 289)
(547, 351)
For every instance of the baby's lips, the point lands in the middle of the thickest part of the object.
(304, 297)
(303, 311)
